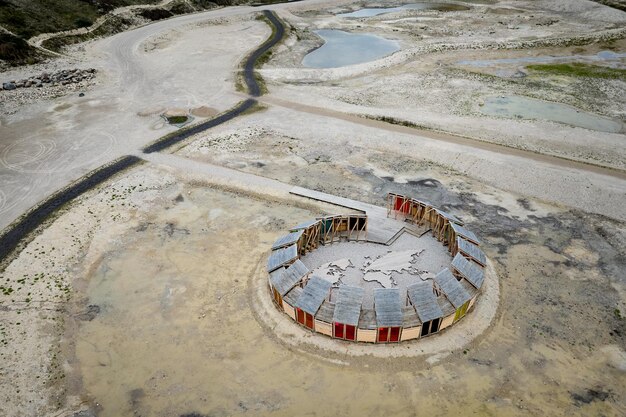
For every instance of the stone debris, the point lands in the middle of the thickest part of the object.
(61, 77)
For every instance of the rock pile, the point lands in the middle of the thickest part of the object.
(62, 77)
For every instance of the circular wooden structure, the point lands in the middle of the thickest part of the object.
(425, 307)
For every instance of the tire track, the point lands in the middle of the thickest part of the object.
(14, 234)
(26, 224)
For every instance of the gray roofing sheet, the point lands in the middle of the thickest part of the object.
(348, 305)
(422, 202)
(450, 217)
(388, 306)
(468, 270)
(410, 318)
(461, 231)
(424, 300)
(306, 225)
(287, 240)
(313, 296)
(292, 296)
(326, 311)
(469, 249)
(455, 293)
(289, 278)
(282, 257)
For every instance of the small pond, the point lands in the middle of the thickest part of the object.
(528, 108)
(375, 11)
(342, 48)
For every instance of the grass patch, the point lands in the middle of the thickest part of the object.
(175, 120)
(28, 18)
(17, 51)
(393, 121)
(580, 70)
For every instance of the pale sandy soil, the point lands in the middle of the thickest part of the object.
(145, 296)
(70, 135)
(166, 280)
(424, 84)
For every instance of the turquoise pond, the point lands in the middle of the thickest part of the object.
(528, 108)
(342, 48)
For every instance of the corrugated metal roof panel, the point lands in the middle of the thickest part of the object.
(453, 291)
(289, 278)
(348, 305)
(282, 257)
(313, 296)
(388, 307)
(287, 240)
(461, 231)
(424, 301)
(468, 270)
(305, 225)
(471, 250)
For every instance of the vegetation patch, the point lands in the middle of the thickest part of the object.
(176, 120)
(155, 14)
(580, 70)
(17, 51)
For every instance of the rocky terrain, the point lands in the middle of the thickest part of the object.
(62, 77)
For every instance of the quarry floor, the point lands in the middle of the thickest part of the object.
(141, 297)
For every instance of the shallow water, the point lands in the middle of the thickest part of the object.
(375, 11)
(528, 108)
(342, 48)
(612, 58)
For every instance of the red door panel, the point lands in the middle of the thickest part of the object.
(300, 316)
(383, 333)
(339, 330)
(394, 335)
(309, 320)
(350, 332)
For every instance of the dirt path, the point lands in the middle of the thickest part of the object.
(446, 137)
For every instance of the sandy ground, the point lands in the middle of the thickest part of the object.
(144, 297)
(163, 276)
(49, 143)
(425, 84)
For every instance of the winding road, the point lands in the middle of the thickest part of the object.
(123, 51)
(18, 231)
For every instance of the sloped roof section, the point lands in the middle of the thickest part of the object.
(305, 225)
(424, 301)
(461, 231)
(453, 291)
(287, 240)
(450, 217)
(313, 296)
(288, 278)
(468, 270)
(388, 306)
(471, 250)
(282, 257)
(348, 305)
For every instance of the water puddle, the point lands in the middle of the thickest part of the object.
(375, 11)
(612, 58)
(528, 108)
(342, 48)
